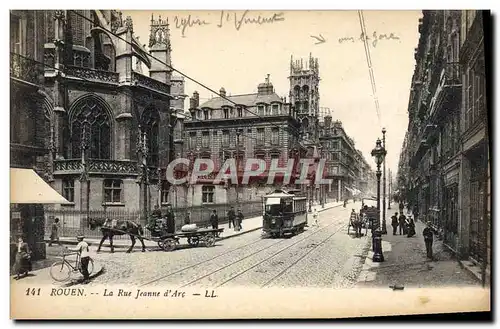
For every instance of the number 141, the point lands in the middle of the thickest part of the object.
(33, 292)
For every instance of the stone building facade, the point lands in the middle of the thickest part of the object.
(345, 165)
(259, 125)
(108, 127)
(443, 171)
(28, 117)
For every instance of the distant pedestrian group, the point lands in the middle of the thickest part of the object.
(406, 225)
(235, 219)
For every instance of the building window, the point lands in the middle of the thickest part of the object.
(275, 109)
(240, 112)
(205, 139)
(260, 136)
(225, 138)
(112, 191)
(475, 93)
(335, 156)
(275, 136)
(268, 110)
(275, 155)
(335, 145)
(225, 113)
(205, 115)
(240, 137)
(91, 118)
(68, 189)
(192, 140)
(150, 126)
(207, 194)
(164, 192)
(17, 44)
(260, 110)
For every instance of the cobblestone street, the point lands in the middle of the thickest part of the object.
(321, 256)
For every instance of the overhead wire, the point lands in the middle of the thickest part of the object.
(190, 78)
(369, 63)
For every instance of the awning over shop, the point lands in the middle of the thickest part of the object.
(27, 187)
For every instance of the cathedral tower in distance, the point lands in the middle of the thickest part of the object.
(160, 47)
(304, 95)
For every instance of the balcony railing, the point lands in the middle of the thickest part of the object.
(25, 69)
(451, 75)
(91, 74)
(95, 166)
(150, 83)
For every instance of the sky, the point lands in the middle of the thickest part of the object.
(238, 58)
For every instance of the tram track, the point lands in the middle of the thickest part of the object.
(315, 247)
(200, 263)
(257, 252)
(260, 239)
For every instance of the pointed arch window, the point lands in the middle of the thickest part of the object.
(150, 126)
(91, 126)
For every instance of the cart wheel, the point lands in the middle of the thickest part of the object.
(168, 244)
(161, 244)
(194, 241)
(209, 240)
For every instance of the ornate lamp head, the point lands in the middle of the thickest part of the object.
(384, 131)
(379, 152)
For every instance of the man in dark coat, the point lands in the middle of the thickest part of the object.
(428, 234)
(214, 220)
(239, 219)
(402, 224)
(170, 220)
(394, 223)
(231, 217)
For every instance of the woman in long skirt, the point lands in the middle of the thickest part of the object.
(23, 259)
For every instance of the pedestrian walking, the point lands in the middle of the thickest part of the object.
(187, 219)
(231, 215)
(315, 217)
(415, 212)
(54, 232)
(401, 206)
(402, 228)
(394, 223)
(239, 219)
(82, 248)
(214, 221)
(22, 265)
(428, 234)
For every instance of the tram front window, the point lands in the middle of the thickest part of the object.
(273, 210)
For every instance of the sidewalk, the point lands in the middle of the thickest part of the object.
(248, 224)
(406, 264)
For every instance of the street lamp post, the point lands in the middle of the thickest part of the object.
(378, 153)
(384, 228)
(142, 152)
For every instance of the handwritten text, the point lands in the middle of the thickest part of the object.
(375, 38)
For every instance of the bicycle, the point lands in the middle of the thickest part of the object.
(61, 270)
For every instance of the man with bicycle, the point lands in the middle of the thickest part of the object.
(83, 249)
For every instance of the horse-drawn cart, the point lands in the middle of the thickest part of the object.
(169, 241)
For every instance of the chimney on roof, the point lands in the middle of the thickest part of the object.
(222, 92)
(328, 121)
(194, 102)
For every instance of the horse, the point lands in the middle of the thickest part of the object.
(357, 224)
(121, 227)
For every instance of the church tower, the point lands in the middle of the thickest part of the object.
(159, 45)
(304, 95)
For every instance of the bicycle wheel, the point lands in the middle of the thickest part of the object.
(60, 271)
(90, 267)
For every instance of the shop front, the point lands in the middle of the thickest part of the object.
(28, 195)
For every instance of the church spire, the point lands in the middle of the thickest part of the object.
(159, 36)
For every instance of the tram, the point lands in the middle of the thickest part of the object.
(284, 212)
